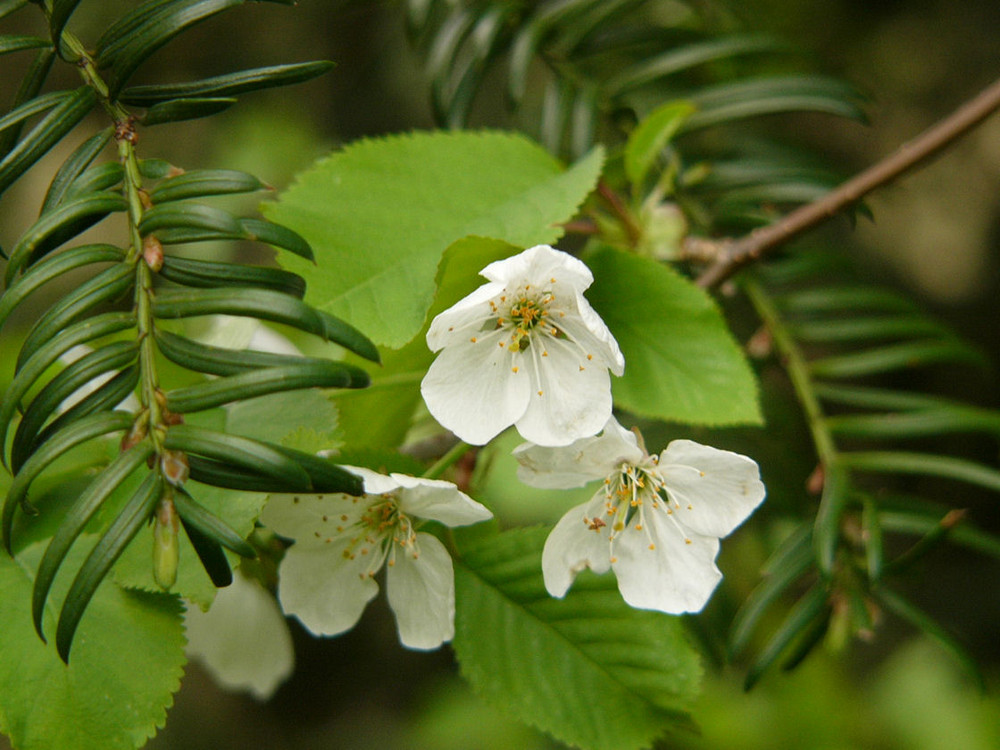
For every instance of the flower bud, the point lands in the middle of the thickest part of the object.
(165, 548)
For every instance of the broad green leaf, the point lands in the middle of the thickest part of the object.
(588, 669)
(127, 663)
(681, 362)
(274, 417)
(381, 415)
(380, 214)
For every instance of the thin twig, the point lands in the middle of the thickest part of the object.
(734, 254)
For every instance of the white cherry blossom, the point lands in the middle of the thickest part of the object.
(525, 349)
(327, 577)
(656, 520)
(243, 639)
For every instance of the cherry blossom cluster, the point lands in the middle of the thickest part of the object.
(527, 350)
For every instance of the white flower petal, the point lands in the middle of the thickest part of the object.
(537, 265)
(324, 589)
(472, 390)
(438, 500)
(716, 490)
(587, 329)
(311, 519)
(463, 319)
(243, 640)
(574, 465)
(678, 575)
(571, 397)
(374, 483)
(421, 593)
(573, 546)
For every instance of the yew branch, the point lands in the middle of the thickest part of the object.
(734, 254)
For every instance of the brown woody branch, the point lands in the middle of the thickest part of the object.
(733, 254)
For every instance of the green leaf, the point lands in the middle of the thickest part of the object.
(895, 357)
(826, 535)
(249, 455)
(207, 523)
(111, 357)
(154, 30)
(50, 228)
(274, 417)
(214, 360)
(277, 235)
(918, 423)
(791, 560)
(729, 102)
(236, 509)
(77, 517)
(74, 166)
(103, 555)
(49, 131)
(228, 85)
(31, 84)
(33, 107)
(72, 436)
(901, 462)
(59, 14)
(686, 56)
(106, 286)
(201, 182)
(205, 274)
(868, 328)
(177, 110)
(681, 362)
(189, 216)
(12, 43)
(650, 137)
(102, 177)
(265, 305)
(52, 268)
(588, 669)
(41, 360)
(814, 606)
(379, 220)
(381, 415)
(127, 663)
(288, 377)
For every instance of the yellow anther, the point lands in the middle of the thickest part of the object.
(473, 339)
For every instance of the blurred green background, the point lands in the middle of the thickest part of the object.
(936, 233)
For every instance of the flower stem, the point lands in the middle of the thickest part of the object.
(450, 458)
(794, 362)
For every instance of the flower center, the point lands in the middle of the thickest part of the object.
(524, 314)
(631, 492)
(382, 529)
